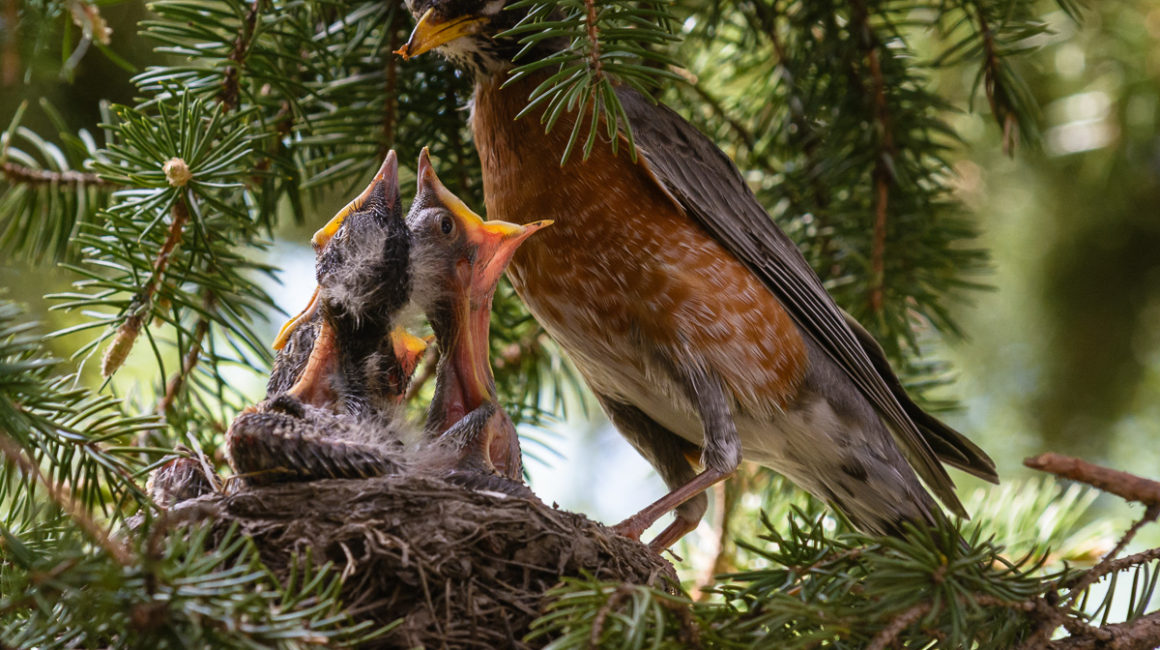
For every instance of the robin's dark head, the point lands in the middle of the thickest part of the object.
(363, 264)
(457, 257)
(466, 32)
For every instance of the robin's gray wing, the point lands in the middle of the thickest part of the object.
(707, 186)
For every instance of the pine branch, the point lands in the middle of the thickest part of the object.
(122, 343)
(193, 353)
(882, 175)
(230, 89)
(1122, 484)
(69, 178)
(65, 499)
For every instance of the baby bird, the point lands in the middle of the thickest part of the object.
(457, 260)
(337, 417)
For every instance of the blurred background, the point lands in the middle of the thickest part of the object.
(1061, 354)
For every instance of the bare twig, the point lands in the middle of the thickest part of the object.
(29, 176)
(1122, 484)
(127, 334)
(1126, 562)
(228, 95)
(882, 174)
(67, 502)
(1089, 578)
(1139, 634)
(896, 626)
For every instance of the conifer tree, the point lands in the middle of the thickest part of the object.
(248, 113)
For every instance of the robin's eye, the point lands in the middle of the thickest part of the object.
(446, 225)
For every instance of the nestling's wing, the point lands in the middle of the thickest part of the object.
(707, 185)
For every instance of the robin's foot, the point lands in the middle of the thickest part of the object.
(635, 525)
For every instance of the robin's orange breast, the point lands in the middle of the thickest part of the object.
(624, 277)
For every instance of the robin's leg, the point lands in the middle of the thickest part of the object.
(668, 452)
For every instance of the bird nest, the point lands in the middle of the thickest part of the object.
(455, 566)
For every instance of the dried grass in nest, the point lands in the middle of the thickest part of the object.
(462, 568)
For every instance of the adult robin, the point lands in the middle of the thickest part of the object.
(458, 260)
(698, 325)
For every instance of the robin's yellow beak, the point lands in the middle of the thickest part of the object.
(431, 32)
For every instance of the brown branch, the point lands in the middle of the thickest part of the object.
(67, 502)
(390, 111)
(29, 176)
(593, 39)
(904, 620)
(1140, 634)
(1002, 113)
(1126, 562)
(228, 95)
(1089, 578)
(1122, 484)
(177, 381)
(882, 175)
(127, 334)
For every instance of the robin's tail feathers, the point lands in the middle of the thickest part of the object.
(950, 446)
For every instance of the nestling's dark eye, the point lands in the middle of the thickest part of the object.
(446, 225)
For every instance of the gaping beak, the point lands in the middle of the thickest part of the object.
(386, 181)
(409, 350)
(495, 241)
(498, 241)
(314, 386)
(430, 33)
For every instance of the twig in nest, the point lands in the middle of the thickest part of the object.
(1122, 484)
